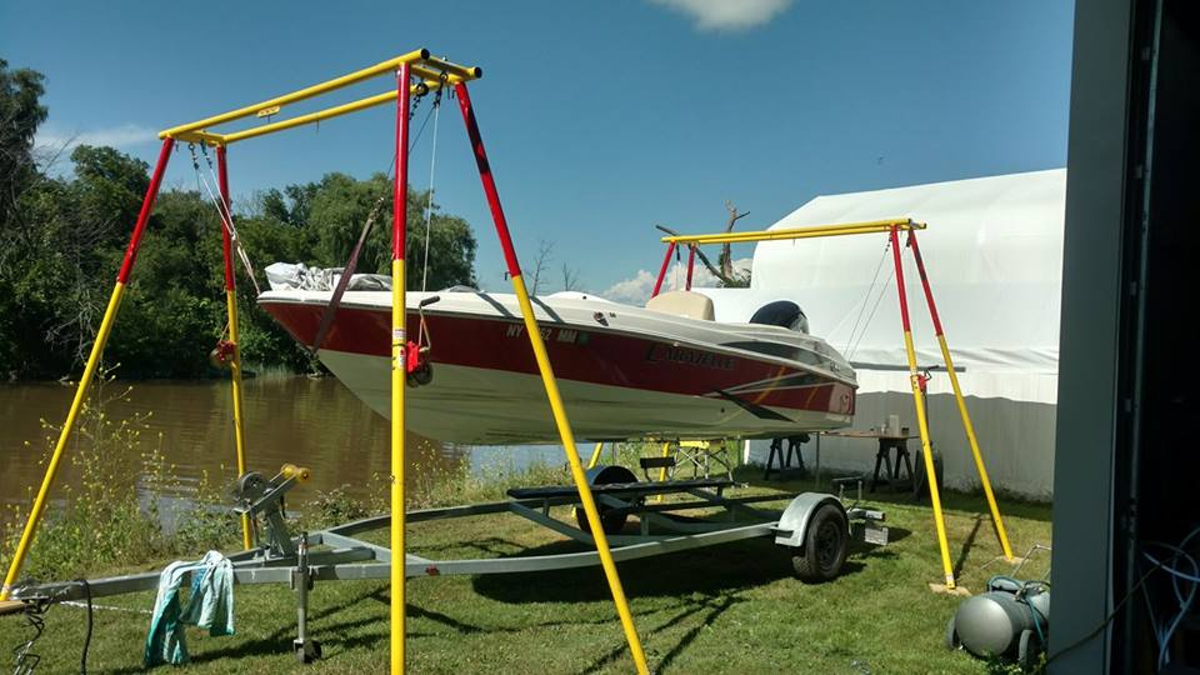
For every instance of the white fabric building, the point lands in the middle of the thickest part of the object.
(993, 251)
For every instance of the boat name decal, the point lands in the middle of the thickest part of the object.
(693, 357)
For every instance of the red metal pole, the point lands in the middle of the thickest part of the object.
(226, 203)
(662, 272)
(691, 265)
(933, 313)
(400, 191)
(895, 237)
(135, 240)
(489, 182)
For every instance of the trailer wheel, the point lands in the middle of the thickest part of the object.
(825, 542)
(611, 522)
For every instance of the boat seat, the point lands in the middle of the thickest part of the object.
(691, 304)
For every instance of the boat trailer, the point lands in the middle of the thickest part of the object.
(815, 528)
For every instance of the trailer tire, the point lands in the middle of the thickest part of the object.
(826, 540)
(611, 522)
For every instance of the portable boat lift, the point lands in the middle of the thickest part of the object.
(892, 228)
(417, 73)
(813, 524)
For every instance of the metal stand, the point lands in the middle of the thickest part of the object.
(893, 228)
(306, 649)
(785, 461)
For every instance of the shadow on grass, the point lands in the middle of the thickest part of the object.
(710, 570)
(967, 544)
(715, 606)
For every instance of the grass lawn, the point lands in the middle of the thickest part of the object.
(728, 609)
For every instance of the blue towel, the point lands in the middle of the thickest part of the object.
(209, 605)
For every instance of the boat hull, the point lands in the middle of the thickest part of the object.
(618, 383)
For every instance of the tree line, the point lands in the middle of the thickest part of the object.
(63, 235)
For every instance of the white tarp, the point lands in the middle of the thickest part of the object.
(300, 277)
(993, 251)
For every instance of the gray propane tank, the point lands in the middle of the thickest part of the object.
(1011, 618)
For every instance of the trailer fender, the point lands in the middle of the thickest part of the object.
(793, 524)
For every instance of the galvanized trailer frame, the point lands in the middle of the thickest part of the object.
(339, 554)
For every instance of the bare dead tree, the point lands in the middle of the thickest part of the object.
(541, 263)
(570, 278)
(726, 258)
(713, 269)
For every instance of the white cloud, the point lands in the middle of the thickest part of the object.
(632, 291)
(123, 136)
(636, 289)
(728, 14)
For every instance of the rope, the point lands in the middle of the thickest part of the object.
(437, 106)
(223, 212)
(866, 298)
(436, 109)
(351, 265)
(882, 291)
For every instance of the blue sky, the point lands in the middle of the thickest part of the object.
(601, 118)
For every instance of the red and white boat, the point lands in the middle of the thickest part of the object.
(667, 370)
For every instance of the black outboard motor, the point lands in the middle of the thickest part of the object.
(782, 313)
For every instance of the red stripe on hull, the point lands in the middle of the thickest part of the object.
(595, 357)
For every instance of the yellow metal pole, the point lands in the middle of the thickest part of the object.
(89, 371)
(841, 229)
(979, 466)
(927, 456)
(235, 369)
(399, 552)
(662, 472)
(39, 504)
(399, 375)
(922, 421)
(238, 426)
(577, 474)
(308, 92)
(968, 427)
(595, 458)
(301, 120)
(548, 381)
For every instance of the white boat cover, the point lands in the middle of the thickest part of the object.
(300, 277)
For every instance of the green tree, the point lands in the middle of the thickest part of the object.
(65, 237)
(20, 115)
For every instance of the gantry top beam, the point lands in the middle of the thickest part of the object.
(433, 71)
(840, 229)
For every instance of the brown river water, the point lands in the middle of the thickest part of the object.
(315, 423)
